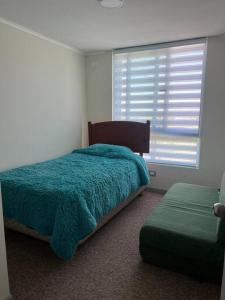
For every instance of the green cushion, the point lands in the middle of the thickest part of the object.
(183, 224)
(198, 197)
(221, 222)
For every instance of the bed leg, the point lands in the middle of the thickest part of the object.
(141, 194)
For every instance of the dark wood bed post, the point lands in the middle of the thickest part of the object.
(90, 133)
(148, 133)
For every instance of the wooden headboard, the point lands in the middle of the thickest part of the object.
(134, 135)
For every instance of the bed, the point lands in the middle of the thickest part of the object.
(65, 200)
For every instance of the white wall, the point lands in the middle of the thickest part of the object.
(42, 98)
(99, 87)
(4, 282)
(212, 164)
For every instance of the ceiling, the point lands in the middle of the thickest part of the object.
(85, 25)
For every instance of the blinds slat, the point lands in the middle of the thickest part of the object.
(156, 87)
(158, 95)
(142, 106)
(156, 61)
(148, 114)
(183, 77)
(151, 70)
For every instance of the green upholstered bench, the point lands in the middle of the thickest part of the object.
(183, 234)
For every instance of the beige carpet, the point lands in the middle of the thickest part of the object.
(107, 266)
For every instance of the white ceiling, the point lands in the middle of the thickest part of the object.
(85, 25)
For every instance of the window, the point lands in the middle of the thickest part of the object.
(163, 84)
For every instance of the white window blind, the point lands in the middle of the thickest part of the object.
(163, 84)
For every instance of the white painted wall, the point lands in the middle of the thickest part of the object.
(212, 163)
(42, 98)
(99, 87)
(4, 282)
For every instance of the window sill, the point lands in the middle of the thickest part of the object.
(171, 165)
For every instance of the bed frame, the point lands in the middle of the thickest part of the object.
(133, 135)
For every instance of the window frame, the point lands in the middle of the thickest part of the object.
(159, 46)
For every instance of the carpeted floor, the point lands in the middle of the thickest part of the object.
(107, 266)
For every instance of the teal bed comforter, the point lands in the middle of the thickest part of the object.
(64, 198)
